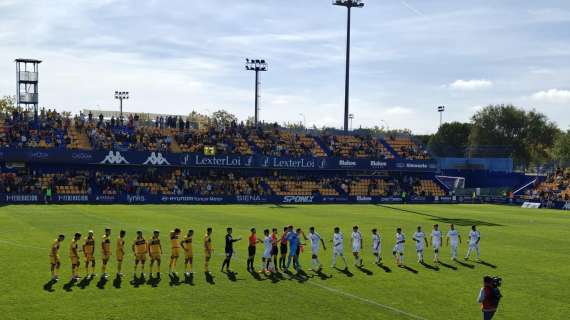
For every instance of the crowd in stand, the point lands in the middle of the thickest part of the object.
(556, 187)
(275, 142)
(32, 181)
(225, 140)
(178, 182)
(413, 152)
(51, 129)
(22, 129)
(355, 146)
(186, 182)
(123, 134)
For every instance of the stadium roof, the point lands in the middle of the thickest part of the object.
(28, 60)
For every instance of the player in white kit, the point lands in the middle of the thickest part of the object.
(421, 243)
(474, 238)
(453, 238)
(338, 248)
(356, 241)
(376, 246)
(316, 242)
(436, 241)
(267, 246)
(398, 250)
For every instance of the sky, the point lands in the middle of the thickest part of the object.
(407, 58)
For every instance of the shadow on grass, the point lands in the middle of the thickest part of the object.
(256, 275)
(365, 271)
(154, 281)
(69, 286)
(174, 280)
(232, 276)
(429, 266)
(412, 270)
(322, 275)
(102, 282)
(117, 282)
(465, 264)
(485, 263)
(458, 222)
(49, 285)
(448, 266)
(189, 279)
(345, 271)
(85, 282)
(384, 267)
(209, 278)
(137, 281)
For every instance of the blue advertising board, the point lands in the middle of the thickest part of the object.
(59, 156)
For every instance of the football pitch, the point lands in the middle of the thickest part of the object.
(528, 248)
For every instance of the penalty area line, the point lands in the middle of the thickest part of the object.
(365, 300)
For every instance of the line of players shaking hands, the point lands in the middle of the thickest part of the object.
(286, 247)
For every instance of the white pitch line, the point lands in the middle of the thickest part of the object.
(374, 303)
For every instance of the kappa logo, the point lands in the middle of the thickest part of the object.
(114, 158)
(156, 159)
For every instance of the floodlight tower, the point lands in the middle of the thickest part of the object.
(121, 95)
(441, 110)
(349, 4)
(27, 83)
(256, 65)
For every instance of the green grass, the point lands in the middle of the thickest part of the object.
(528, 247)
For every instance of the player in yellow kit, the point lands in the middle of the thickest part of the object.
(175, 250)
(105, 252)
(120, 251)
(89, 253)
(74, 256)
(155, 251)
(208, 249)
(139, 249)
(54, 257)
(188, 252)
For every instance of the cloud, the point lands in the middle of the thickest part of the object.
(552, 96)
(398, 111)
(471, 84)
(549, 15)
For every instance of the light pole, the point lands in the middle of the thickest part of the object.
(304, 120)
(386, 124)
(348, 4)
(351, 117)
(121, 95)
(256, 65)
(441, 110)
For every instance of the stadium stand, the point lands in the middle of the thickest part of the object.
(273, 141)
(174, 134)
(356, 146)
(556, 187)
(224, 141)
(49, 130)
(406, 148)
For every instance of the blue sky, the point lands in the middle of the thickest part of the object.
(407, 57)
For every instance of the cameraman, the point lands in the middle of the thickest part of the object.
(489, 297)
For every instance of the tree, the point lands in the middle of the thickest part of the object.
(561, 149)
(198, 120)
(450, 140)
(7, 104)
(528, 134)
(222, 118)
